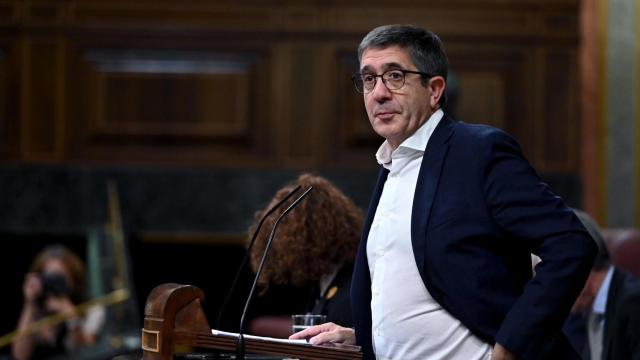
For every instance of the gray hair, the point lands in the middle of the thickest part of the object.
(425, 48)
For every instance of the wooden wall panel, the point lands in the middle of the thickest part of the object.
(267, 84)
(9, 100)
(497, 87)
(355, 141)
(8, 11)
(483, 98)
(45, 98)
(171, 94)
(303, 125)
(561, 124)
(201, 104)
(507, 18)
(7, 132)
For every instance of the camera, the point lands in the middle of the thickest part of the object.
(53, 284)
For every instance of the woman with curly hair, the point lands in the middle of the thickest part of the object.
(314, 246)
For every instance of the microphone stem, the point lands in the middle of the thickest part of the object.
(241, 344)
(234, 283)
(240, 348)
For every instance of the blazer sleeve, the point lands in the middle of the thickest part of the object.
(527, 211)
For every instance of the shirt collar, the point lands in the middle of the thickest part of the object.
(417, 141)
(600, 303)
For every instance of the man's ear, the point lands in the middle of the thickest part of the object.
(436, 86)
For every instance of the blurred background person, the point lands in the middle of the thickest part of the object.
(54, 286)
(605, 319)
(314, 248)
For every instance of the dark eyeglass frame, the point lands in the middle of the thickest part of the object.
(358, 81)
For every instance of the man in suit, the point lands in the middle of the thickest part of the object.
(609, 306)
(443, 269)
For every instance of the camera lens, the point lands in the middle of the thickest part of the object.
(54, 284)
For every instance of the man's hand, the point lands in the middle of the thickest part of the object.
(500, 353)
(327, 333)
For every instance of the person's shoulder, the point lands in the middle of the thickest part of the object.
(474, 129)
(481, 133)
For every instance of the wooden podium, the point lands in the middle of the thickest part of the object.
(173, 316)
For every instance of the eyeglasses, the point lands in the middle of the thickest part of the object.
(392, 79)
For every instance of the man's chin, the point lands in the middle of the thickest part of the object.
(384, 128)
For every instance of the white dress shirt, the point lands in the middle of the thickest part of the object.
(595, 330)
(407, 323)
(600, 302)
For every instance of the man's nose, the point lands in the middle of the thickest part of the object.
(380, 91)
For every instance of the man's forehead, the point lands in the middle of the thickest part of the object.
(384, 58)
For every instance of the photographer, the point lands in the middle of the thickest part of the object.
(54, 286)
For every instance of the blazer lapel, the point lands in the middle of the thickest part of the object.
(361, 280)
(428, 179)
(373, 204)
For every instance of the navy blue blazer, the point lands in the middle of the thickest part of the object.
(479, 210)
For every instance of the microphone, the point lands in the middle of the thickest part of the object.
(232, 288)
(240, 347)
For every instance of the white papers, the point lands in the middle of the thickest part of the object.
(263, 338)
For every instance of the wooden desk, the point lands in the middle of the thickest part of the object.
(173, 316)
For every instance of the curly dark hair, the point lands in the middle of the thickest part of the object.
(322, 232)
